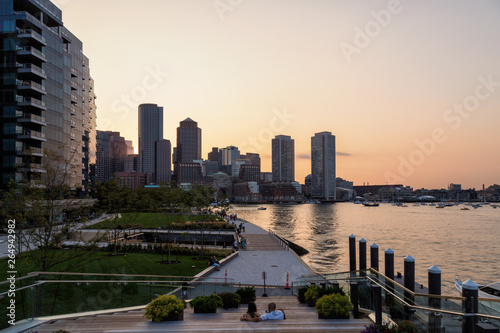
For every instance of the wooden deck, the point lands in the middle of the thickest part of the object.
(300, 318)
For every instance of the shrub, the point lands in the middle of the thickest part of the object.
(230, 300)
(301, 291)
(374, 328)
(164, 307)
(206, 304)
(334, 305)
(247, 294)
(406, 326)
(312, 294)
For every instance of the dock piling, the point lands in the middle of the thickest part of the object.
(374, 256)
(362, 254)
(352, 253)
(389, 263)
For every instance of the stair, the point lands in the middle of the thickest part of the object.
(300, 318)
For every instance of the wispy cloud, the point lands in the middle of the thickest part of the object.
(339, 153)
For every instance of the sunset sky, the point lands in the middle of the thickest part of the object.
(410, 89)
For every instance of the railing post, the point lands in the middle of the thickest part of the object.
(470, 291)
(352, 253)
(389, 263)
(377, 298)
(374, 256)
(355, 299)
(434, 283)
(362, 254)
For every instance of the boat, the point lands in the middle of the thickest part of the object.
(491, 291)
(261, 208)
(464, 208)
(370, 204)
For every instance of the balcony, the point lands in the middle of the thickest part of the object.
(74, 99)
(31, 69)
(31, 135)
(31, 118)
(73, 124)
(73, 111)
(33, 151)
(33, 167)
(31, 102)
(32, 36)
(29, 19)
(73, 136)
(74, 85)
(31, 53)
(74, 73)
(30, 85)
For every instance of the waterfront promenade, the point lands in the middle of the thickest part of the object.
(263, 253)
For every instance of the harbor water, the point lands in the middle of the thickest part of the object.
(459, 242)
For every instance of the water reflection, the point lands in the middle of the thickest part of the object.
(458, 242)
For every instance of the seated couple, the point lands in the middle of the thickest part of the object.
(214, 262)
(272, 313)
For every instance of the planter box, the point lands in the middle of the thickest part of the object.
(332, 316)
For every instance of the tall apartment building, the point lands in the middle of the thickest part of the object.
(150, 131)
(163, 157)
(283, 159)
(214, 155)
(323, 181)
(47, 94)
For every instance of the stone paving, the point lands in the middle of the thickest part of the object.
(263, 254)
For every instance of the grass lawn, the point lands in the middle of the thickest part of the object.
(61, 298)
(155, 220)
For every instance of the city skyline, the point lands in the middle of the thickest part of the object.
(408, 89)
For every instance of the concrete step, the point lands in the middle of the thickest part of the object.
(300, 318)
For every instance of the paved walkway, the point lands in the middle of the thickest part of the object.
(263, 254)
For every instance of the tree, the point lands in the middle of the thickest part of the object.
(48, 215)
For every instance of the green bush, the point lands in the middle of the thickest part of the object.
(314, 292)
(230, 300)
(164, 307)
(301, 291)
(335, 305)
(206, 304)
(312, 295)
(406, 326)
(247, 294)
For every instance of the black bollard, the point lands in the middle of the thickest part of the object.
(389, 263)
(355, 299)
(470, 291)
(352, 253)
(377, 299)
(374, 256)
(434, 283)
(409, 274)
(362, 254)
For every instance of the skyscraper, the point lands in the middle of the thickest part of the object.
(227, 158)
(48, 99)
(150, 131)
(283, 159)
(111, 154)
(188, 142)
(323, 181)
(163, 157)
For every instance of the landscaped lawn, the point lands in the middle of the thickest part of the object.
(70, 297)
